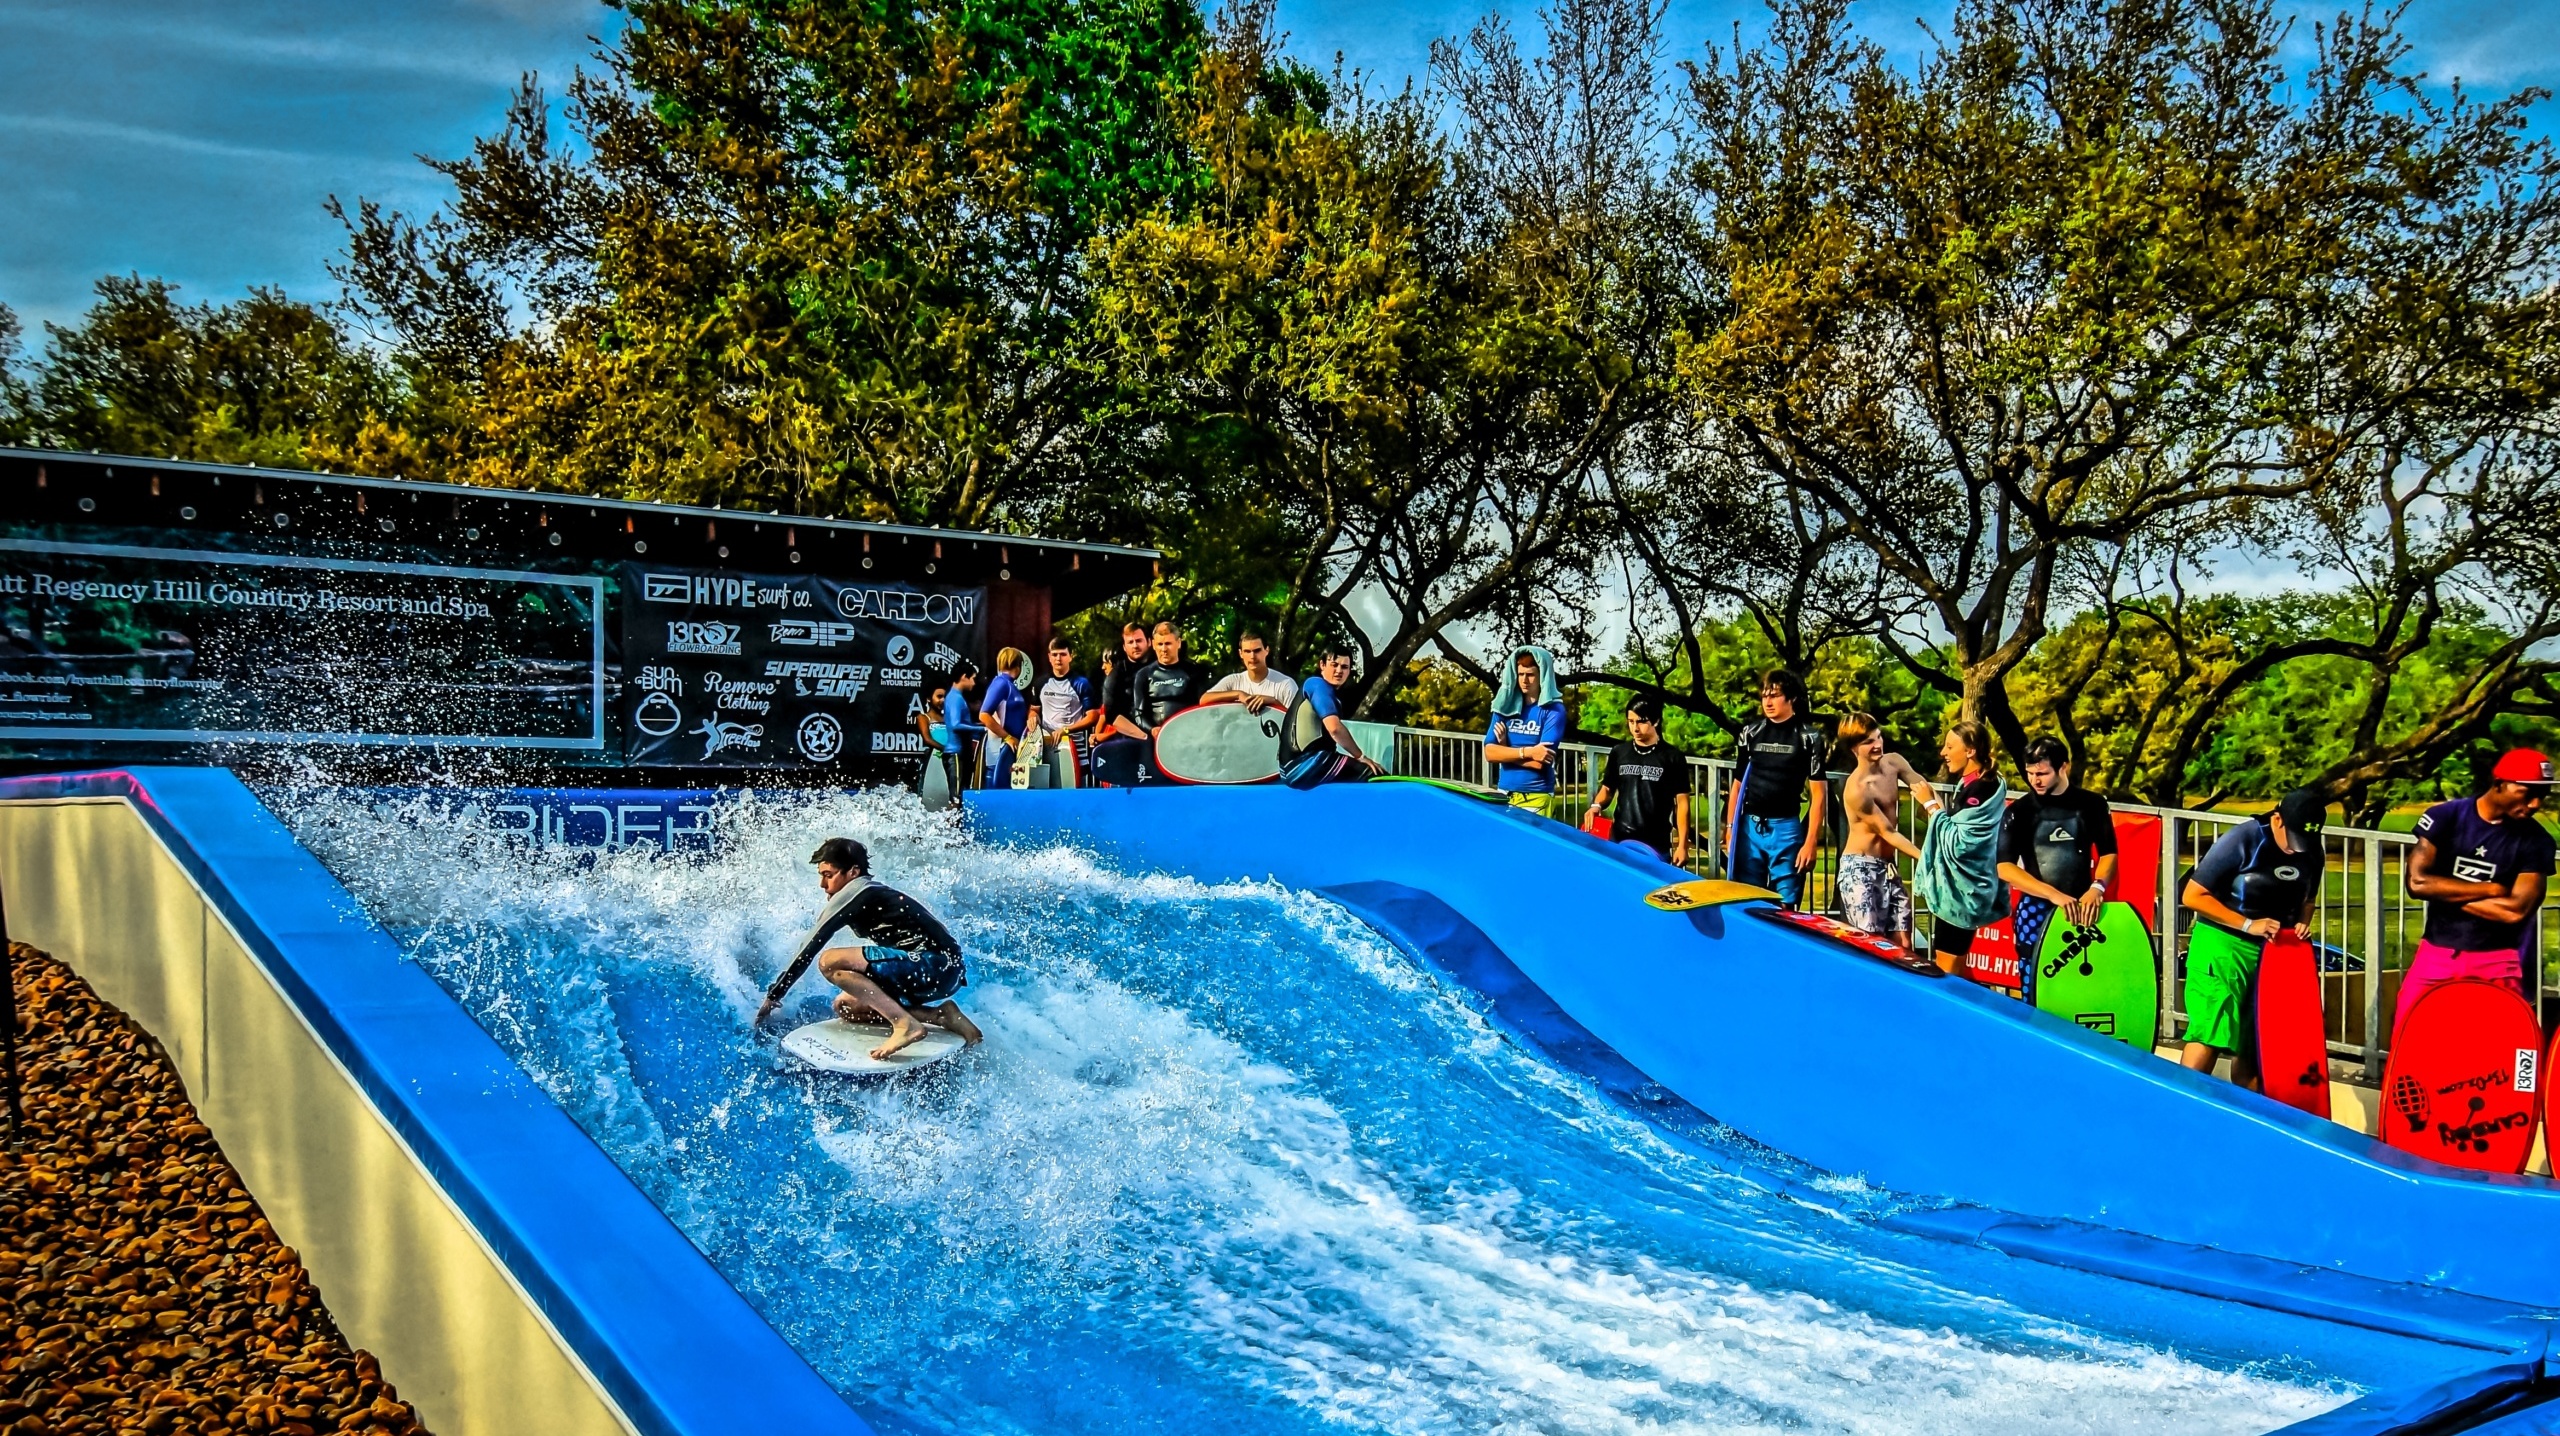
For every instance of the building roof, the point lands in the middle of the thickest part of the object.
(51, 486)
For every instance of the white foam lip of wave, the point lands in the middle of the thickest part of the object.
(1110, 1149)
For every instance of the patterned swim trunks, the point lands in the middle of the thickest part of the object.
(1872, 897)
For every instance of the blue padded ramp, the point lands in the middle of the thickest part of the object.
(679, 1351)
(1832, 1057)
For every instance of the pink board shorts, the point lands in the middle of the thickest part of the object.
(2434, 964)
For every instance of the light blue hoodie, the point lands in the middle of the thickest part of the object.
(1520, 723)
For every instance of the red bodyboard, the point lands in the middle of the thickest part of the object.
(1993, 958)
(2293, 1038)
(1865, 944)
(2464, 1084)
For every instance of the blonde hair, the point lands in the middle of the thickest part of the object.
(1857, 728)
(1976, 739)
(1010, 660)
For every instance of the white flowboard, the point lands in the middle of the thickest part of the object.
(1220, 743)
(839, 1046)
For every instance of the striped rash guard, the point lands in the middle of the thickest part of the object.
(877, 915)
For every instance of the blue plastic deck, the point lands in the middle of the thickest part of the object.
(675, 1346)
(1818, 1052)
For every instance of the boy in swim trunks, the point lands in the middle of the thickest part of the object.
(1872, 895)
(910, 985)
(2257, 880)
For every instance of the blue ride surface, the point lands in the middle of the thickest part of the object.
(1926, 1087)
(1240, 1155)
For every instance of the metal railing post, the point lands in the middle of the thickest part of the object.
(2167, 933)
(2373, 958)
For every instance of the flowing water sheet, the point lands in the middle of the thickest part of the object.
(1230, 1162)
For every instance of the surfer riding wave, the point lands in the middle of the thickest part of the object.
(910, 986)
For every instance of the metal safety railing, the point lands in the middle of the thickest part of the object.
(2365, 924)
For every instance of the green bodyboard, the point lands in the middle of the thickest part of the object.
(2102, 978)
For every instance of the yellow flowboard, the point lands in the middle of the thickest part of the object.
(1705, 892)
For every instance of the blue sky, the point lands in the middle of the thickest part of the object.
(198, 142)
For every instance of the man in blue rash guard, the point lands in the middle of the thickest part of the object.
(957, 712)
(1528, 727)
(910, 986)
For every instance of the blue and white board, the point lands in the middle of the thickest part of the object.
(1220, 743)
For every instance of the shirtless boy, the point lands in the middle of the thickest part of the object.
(1872, 896)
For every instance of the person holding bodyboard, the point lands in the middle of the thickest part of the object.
(2481, 866)
(909, 987)
(2257, 880)
(1872, 895)
(1649, 781)
(1162, 686)
(1005, 713)
(1316, 745)
(1255, 685)
(1065, 700)
(2057, 849)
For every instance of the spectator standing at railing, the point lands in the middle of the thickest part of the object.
(1316, 745)
(1872, 895)
(2058, 849)
(1959, 873)
(1649, 781)
(1528, 729)
(1768, 844)
(1066, 699)
(1256, 686)
(2257, 880)
(1117, 757)
(1163, 686)
(1005, 711)
(959, 735)
(2482, 865)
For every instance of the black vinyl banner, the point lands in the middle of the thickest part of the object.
(733, 670)
(105, 643)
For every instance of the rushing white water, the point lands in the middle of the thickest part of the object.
(1229, 1161)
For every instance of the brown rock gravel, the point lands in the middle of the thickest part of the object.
(140, 1288)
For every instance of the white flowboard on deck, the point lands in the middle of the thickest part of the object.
(839, 1046)
(1220, 743)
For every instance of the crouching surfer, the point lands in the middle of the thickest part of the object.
(909, 986)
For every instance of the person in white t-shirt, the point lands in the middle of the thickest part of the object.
(1257, 687)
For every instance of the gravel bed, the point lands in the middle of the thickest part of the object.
(140, 1288)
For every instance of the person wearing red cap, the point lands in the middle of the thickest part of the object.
(2481, 866)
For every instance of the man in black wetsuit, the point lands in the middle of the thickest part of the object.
(1118, 757)
(910, 985)
(1159, 689)
(2057, 850)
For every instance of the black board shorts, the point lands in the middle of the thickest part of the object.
(915, 980)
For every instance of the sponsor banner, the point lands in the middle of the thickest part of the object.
(732, 670)
(105, 644)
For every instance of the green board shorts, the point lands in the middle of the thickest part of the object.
(2220, 966)
(1545, 805)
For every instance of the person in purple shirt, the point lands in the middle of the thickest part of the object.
(2481, 865)
(1005, 710)
(1526, 731)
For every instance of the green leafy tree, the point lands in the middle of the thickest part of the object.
(2089, 273)
(266, 380)
(811, 257)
